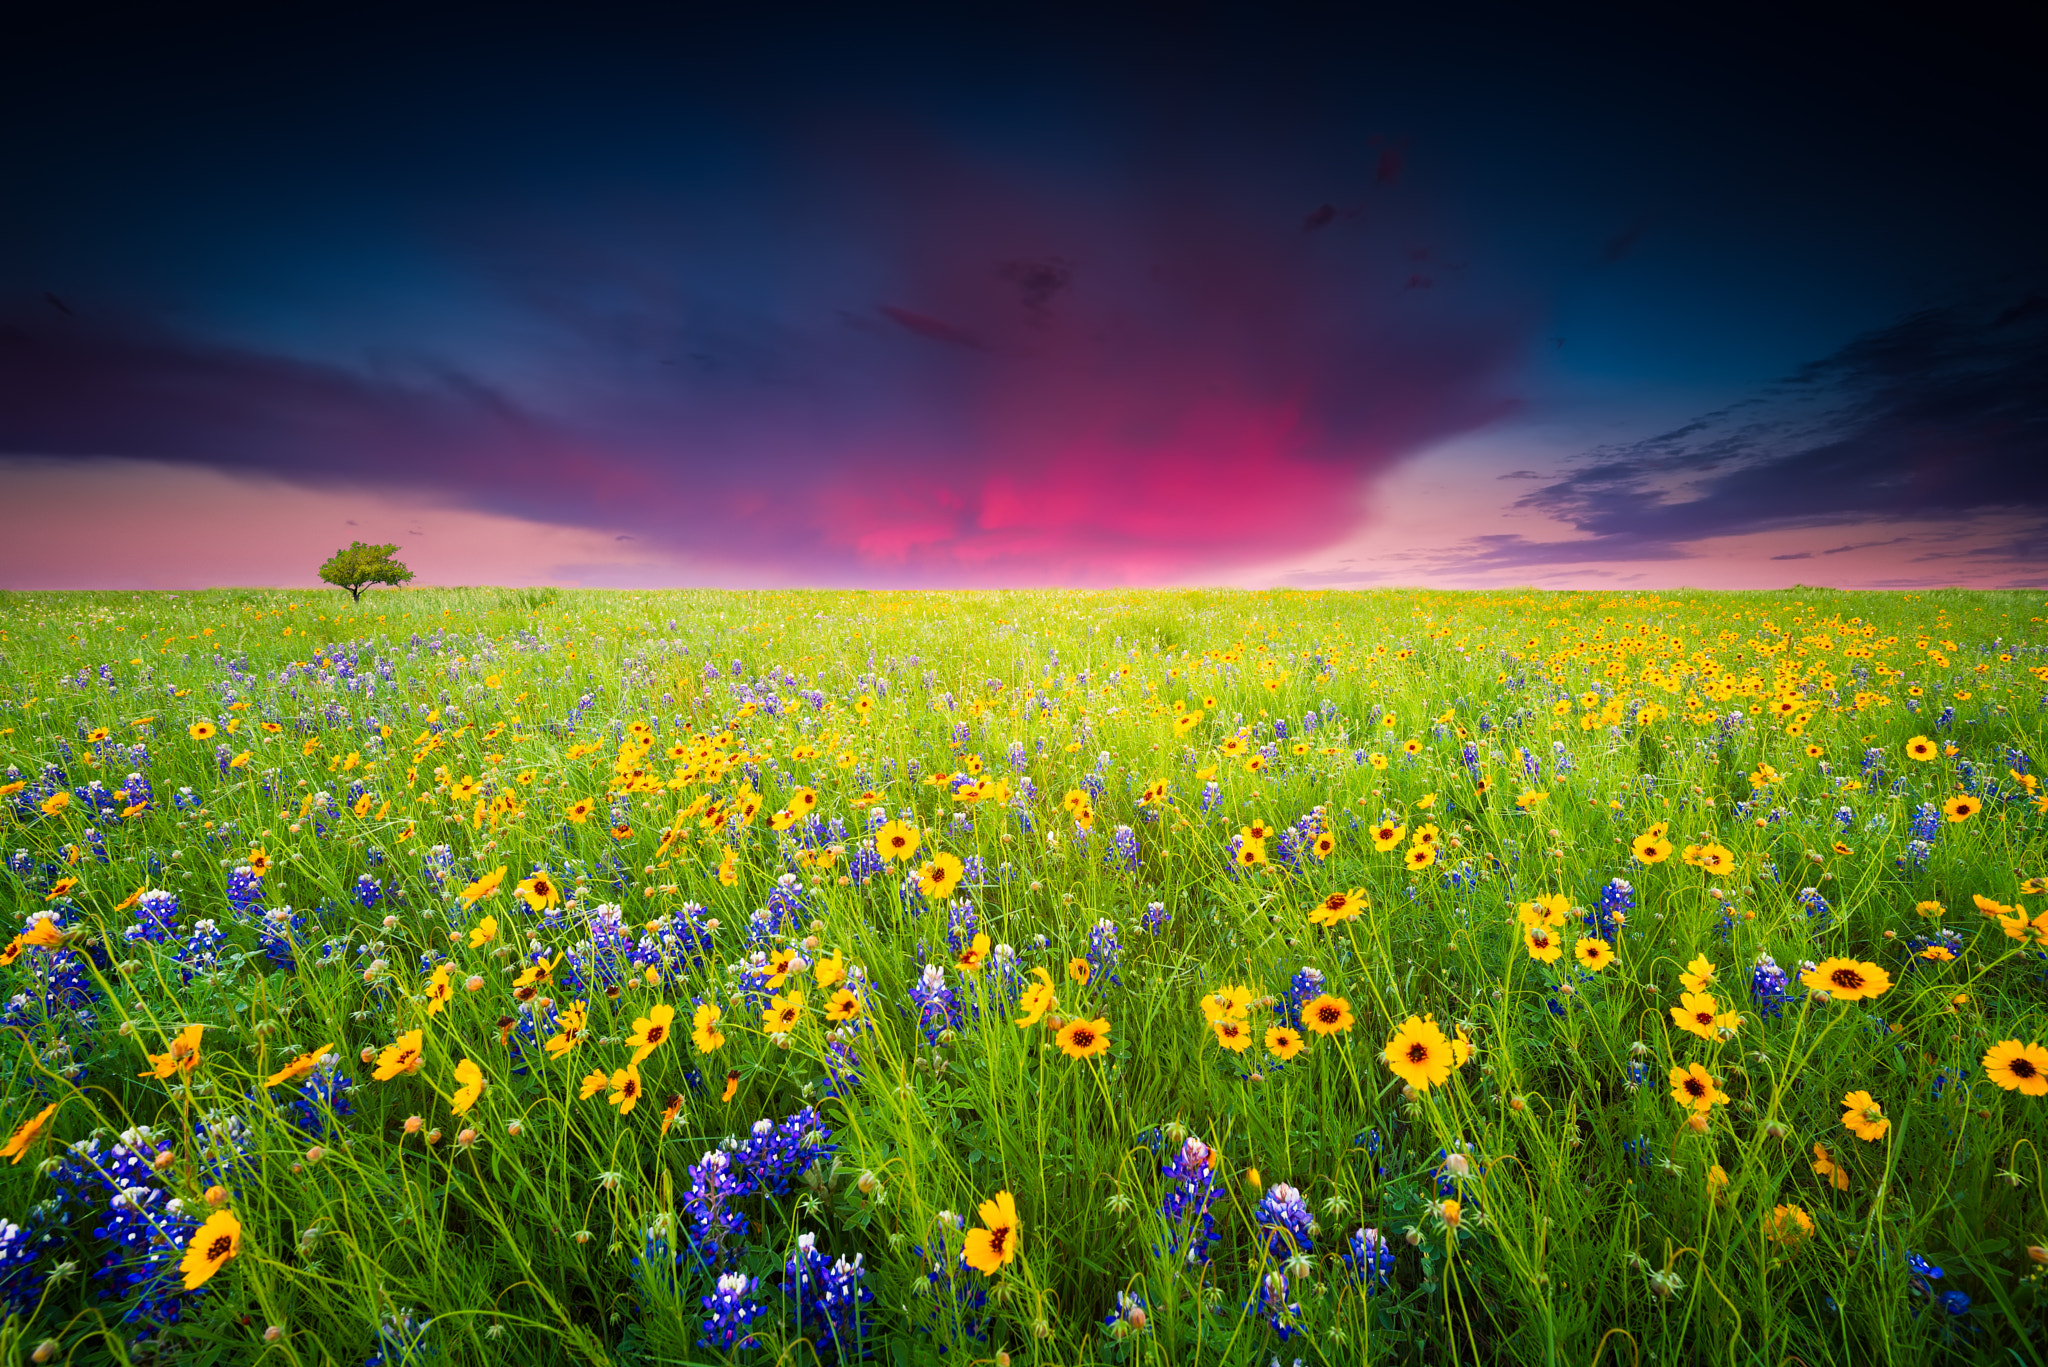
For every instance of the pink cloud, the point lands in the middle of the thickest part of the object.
(1100, 382)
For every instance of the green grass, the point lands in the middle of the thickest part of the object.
(540, 1227)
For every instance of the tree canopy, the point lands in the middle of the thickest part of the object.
(359, 566)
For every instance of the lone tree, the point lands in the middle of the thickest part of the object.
(360, 566)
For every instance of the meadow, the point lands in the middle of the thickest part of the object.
(474, 976)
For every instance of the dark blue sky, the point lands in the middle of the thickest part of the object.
(1046, 295)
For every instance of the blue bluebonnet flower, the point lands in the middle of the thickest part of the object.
(323, 1100)
(201, 951)
(938, 1009)
(1126, 1317)
(245, 889)
(401, 1340)
(1190, 1190)
(716, 1227)
(1304, 987)
(1156, 916)
(1105, 952)
(961, 923)
(279, 935)
(97, 799)
(155, 911)
(221, 1143)
(1124, 849)
(842, 1069)
(728, 1312)
(438, 861)
(828, 1298)
(865, 865)
(774, 1156)
(1617, 901)
(1368, 1259)
(1284, 1219)
(26, 1259)
(139, 1228)
(1767, 984)
(368, 892)
(959, 1293)
(788, 907)
(1269, 1302)
(1926, 823)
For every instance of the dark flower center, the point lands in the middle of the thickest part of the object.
(1848, 979)
(219, 1249)
(1694, 1087)
(997, 1238)
(1083, 1038)
(1418, 1053)
(2021, 1067)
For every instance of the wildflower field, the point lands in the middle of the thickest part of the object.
(479, 976)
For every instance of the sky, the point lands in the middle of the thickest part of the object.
(1310, 296)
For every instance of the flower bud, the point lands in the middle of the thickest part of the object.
(273, 1333)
